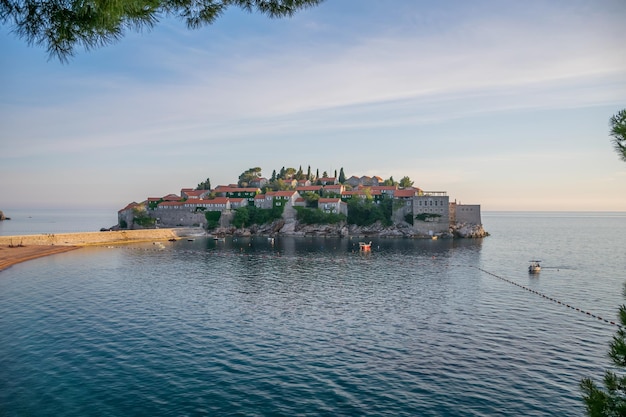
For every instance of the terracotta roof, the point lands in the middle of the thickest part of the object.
(383, 187)
(223, 189)
(309, 188)
(287, 193)
(217, 200)
(196, 192)
(129, 206)
(329, 200)
(171, 197)
(171, 204)
(405, 193)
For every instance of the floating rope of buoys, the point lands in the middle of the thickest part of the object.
(549, 298)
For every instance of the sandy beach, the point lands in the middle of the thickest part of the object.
(16, 249)
(12, 255)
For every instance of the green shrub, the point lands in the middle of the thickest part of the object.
(247, 216)
(212, 219)
(427, 217)
(364, 212)
(144, 221)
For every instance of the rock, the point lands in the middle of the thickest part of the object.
(2, 217)
(470, 231)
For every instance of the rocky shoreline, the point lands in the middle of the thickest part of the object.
(282, 228)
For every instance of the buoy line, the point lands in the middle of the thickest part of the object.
(343, 260)
(549, 298)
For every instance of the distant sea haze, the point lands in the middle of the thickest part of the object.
(313, 326)
(36, 221)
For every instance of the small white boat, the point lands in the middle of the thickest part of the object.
(534, 267)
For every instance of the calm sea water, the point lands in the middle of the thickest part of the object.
(32, 221)
(311, 326)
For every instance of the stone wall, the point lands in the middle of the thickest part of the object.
(468, 213)
(177, 218)
(90, 238)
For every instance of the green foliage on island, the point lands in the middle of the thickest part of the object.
(314, 216)
(427, 217)
(405, 182)
(281, 179)
(311, 199)
(212, 219)
(408, 218)
(152, 205)
(144, 221)
(365, 212)
(204, 185)
(247, 216)
(141, 217)
(248, 176)
(610, 401)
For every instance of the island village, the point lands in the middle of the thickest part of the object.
(296, 204)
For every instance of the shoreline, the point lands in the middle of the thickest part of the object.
(22, 248)
(11, 256)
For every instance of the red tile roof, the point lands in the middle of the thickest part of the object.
(405, 193)
(287, 193)
(306, 188)
(129, 206)
(171, 204)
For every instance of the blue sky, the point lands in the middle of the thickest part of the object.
(500, 103)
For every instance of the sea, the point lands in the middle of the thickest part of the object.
(311, 326)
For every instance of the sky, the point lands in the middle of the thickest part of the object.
(500, 103)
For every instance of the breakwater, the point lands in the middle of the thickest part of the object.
(94, 238)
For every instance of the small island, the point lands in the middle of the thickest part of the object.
(294, 203)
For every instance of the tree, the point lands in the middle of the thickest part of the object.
(289, 173)
(390, 182)
(610, 401)
(62, 25)
(300, 174)
(241, 217)
(311, 198)
(406, 182)
(342, 176)
(248, 176)
(205, 185)
(618, 133)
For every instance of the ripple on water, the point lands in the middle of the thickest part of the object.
(302, 327)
